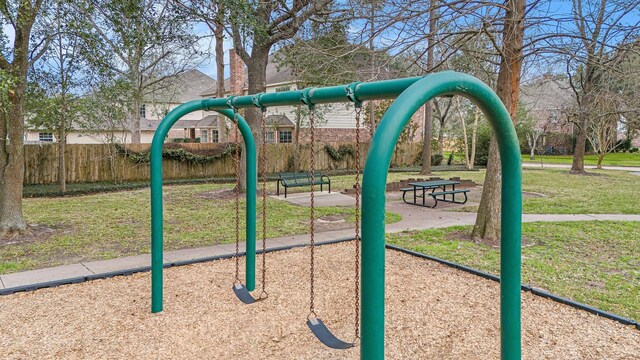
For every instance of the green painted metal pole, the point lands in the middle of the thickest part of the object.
(156, 196)
(386, 89)
(373, 206)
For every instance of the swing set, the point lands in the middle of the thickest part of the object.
(410, 94)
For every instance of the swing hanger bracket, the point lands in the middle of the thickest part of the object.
(230, 102)
(351, 94)
(304, 97)
(257, 102)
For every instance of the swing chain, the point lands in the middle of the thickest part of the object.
(237, 194)
(264, 294)
(357, 219)
(311, 211)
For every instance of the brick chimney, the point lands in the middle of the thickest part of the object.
(237, 76)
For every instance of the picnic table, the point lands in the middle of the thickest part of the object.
(438, 192)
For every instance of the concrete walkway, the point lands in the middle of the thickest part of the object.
(568, 166)
(413, 218)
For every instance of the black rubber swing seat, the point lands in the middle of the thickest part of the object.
(243, 294)
(320, 330)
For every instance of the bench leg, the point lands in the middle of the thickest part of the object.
(278, 188)
(329, 187)
(321, 188)
(285, 192)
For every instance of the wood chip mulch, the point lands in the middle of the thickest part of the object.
(432, 312)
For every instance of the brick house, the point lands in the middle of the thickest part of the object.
(334, 122)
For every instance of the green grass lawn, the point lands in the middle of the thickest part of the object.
(606, 192)
(597, 263)
(614, 159)
(112, 225)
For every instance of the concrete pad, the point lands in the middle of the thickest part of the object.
(118, 264)
(44, 275)
(321, 199)
(1, 284)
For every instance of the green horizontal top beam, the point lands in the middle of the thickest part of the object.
(362, 91)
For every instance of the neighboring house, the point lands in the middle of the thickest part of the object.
(548, 101)
(171, 93)
(334, 122)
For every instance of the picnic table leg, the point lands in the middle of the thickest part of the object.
(415, 198)
(424, 192)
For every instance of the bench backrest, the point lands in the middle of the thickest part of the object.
(302, 177)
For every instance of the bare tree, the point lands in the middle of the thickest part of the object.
(600, 27)
(533, 136)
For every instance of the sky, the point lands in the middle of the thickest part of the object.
(557, 7)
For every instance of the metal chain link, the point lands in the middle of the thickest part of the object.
(237, 194)
(357, 237)
(311, 211)
(263, 151)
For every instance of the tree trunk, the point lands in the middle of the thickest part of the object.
(441, 139)
(577, 165)
(62, 142)
(219, 36)
(12, 163)
(463, 124)
(428, 108)
(428, 134)
(257, 70)
(533, 154)
(487, 224)
(296, 140)
(474, 132)
(600, 158)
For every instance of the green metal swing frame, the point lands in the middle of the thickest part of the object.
(410, 94)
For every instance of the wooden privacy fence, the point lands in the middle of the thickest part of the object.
(103, 162)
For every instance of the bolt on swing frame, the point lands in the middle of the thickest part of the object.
(411, 94)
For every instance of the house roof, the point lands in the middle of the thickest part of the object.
(275, 75)
(545, 94)
(206, 122)
(279, 120)
(184, 87)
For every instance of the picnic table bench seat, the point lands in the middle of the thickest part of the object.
(288, 180)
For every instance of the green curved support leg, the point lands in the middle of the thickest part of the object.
(373, 206)
(156, 196)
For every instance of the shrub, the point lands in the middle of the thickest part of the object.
(436, 159)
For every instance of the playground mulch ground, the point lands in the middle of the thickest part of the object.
(433, 312)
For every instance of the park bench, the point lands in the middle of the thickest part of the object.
(288, 180)
(438, 192)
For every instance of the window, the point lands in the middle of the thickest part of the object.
(271, 136)
(285, 136)
(45, 137)
(215, 137)
(204, 136)
(283, 88)
(143, 111)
